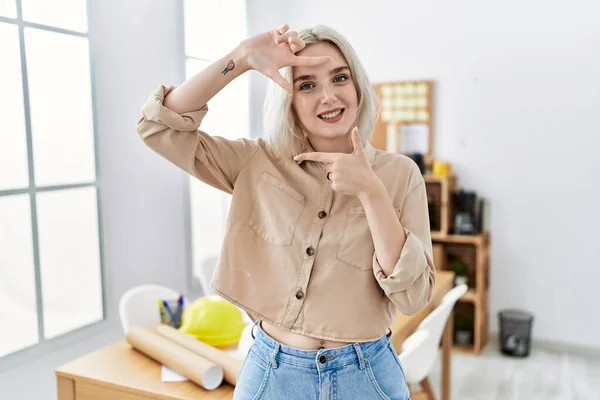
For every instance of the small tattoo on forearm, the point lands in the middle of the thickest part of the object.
(230, 66)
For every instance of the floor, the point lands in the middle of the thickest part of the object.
(547, 374)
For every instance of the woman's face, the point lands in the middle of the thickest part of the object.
(324, 97)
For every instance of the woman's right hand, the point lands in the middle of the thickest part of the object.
(275, 49)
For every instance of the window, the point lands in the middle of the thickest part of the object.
(213, 28)
(50, 261)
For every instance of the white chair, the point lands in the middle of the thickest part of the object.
(245, 342)
(455, 294)
(411, 353)
(423, 358)
(204, 272)
(139, 305)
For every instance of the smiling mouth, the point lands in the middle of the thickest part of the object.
(332, 116)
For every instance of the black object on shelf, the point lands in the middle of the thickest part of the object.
(515, 332)
(467, 220)
(419, 160)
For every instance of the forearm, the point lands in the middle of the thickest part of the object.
(194, 93)
(386, 230)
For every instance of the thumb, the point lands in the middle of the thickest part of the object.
(280, 80)
(356, 141)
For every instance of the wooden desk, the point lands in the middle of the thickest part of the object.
(119, 372)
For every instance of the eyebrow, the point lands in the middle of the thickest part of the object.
(332, 72)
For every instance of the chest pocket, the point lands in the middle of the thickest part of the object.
(356, 245)
(277, 210)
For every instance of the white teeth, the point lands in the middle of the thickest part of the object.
(331, 115)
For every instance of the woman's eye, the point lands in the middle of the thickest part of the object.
(340, 78)
(306, 86)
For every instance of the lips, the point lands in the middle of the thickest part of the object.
(332, 115)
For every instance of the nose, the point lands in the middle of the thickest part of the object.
(327, 95)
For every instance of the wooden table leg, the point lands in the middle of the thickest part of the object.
(447, 343)
(65, 388)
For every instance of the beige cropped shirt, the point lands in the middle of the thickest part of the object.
(296, 253)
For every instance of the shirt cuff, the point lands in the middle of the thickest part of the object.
(154, 110)
(407, 270)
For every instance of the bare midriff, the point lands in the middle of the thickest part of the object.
(298, 341)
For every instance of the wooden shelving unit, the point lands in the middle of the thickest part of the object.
(473, 250)
(471, 296)
(411, 102)
(477, 240)
(439, 194)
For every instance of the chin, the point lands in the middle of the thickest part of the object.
(332, 133)
(333, 130)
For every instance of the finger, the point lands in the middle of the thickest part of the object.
(280, 80)
(283, 29)
(327, 158)
(300, 61)
(356, 141)
(296, 44)
(284, 38)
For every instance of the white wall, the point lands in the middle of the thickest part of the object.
(518, 93)
(262, 14)
(136, 49)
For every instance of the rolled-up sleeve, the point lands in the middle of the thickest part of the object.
(410, 285)
(212, 159)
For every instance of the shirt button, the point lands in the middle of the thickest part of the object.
(299, 294)
(310, 251)
(322, 214)
(322, 359)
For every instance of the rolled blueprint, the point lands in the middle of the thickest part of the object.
(231, 365)
(205, 373)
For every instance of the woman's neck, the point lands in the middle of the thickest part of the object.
(327, 145)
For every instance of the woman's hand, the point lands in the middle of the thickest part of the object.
(275, 49)
(350, 174)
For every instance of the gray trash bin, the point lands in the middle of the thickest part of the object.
(515, 332)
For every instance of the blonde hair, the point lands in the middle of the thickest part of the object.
(284, 134)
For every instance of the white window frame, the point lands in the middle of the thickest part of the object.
(46, 346)
(193, 283)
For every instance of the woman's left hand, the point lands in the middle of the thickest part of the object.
(351, 173)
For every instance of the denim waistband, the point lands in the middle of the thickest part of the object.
(270, 350)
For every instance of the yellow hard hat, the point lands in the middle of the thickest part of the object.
(213, 320)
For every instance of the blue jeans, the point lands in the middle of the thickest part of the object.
(357, 371)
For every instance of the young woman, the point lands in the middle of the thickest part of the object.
(326, 236)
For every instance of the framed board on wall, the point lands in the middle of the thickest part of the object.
(406, 119)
